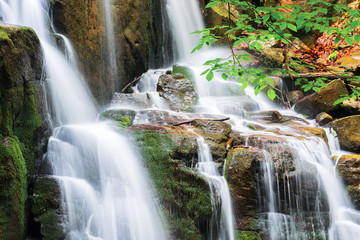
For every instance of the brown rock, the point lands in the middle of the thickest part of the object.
(348, 132)
(349, 169)
(295, 96)
(322, 101)
(323, 118)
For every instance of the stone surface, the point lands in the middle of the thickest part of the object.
(349, 169)
(348, 132)
(323, 118)
(295, 96)
(178, 91)
(139, 36)
(23, 134)
(322, 101)
(47, 209)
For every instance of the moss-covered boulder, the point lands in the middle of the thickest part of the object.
(240, 173)
(184, 194)
(186, 71)
(47, 210)
(322, 101)
(349, 169)
(348, 132)
(23, 133)
(178, 91)
(13, 189)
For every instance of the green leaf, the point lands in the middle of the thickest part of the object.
(211, 4)
(246, 58)
(224, 76)
(340, 100)
(245, 84)
(307, 28)
(282, 26)
(210, 76)
(271, 94)
(266, 18)
(349, 40)
(357, 38)
(337, 40)
(316, 89)
(238, 42)
(205, 72)
(292, 27)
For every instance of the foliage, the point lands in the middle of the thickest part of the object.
(259, 24)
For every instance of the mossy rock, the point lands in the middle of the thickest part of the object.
(13, 189)
(247, 235)
(184, 194)
(348, 132)
(186, 71)
(123, 117)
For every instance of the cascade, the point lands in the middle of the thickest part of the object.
(111, 44)
(222, 220)
(185, 18)
(105, 188)
(308, 203)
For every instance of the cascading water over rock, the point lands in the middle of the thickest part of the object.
(105, 188)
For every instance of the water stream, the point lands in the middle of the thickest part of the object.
(105, 188)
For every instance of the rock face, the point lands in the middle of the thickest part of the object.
(22, 131)
(349, 169)
(47, 209)
(348, 132)
(322, 101)
(139, 36)
(178, 91)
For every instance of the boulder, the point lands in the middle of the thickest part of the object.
(348, 132)
(322, 101)
(47, 208)
(240, 173)
(349, 169)
(323, 118)
(178, 91)
(295, 96)
(131, 100)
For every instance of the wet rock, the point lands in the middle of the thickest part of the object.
(348, 132)
(295, 96)
(240, 174)
(187, 72)
(184, 194)
(23, 131)
(323, 118)
(322, 101)
(349, 169)
(350, 62)
(272, 116)
(311, 131)
(119, 115)
(47, 208)
(272, 57)
(178, 91)
(213, 130)
(351, 107)
(131, 100)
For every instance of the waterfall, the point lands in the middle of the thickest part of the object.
(222, 220)
(105, 188)
(111, 44)
(185, 18)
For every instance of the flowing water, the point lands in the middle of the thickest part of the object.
(106, 190)
(221, 223)
(300, 197)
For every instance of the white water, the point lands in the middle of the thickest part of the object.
(185, 18)
(221, 223)
(312, 204)
(111, 44)
(106, 190)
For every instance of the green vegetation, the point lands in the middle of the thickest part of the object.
(13, 191)
(258, 24)
(184, 193)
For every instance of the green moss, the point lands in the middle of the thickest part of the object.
(247, 235)
(187, 72)
(118, 114)
(184, 194)
(13, 189)
(51, 226)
